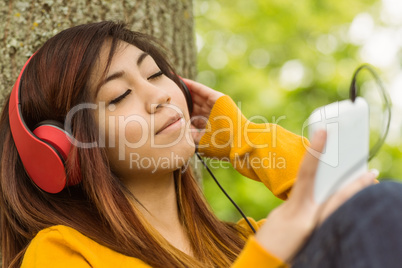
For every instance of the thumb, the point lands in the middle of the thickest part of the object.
(304, 185)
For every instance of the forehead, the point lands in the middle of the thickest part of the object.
(123, 52)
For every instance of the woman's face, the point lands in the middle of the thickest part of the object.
(142, 115)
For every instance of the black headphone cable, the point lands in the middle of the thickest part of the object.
(227, 195)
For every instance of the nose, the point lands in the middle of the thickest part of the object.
(155, 97)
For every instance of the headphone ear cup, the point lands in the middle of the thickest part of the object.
(53, 133)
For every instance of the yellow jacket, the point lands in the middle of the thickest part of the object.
(229, 136)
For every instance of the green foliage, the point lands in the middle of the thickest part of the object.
(279, 58)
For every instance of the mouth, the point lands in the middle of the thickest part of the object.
(172, 122)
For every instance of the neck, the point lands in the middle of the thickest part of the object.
(158, 203)
(156, 194)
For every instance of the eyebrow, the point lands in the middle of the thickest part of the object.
(119, 74)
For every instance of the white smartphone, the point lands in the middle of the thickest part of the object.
(346, 151)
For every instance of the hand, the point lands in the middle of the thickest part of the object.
(288, 226)
(204, 99)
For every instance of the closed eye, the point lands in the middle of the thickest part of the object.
(119, 98)
(155, 75)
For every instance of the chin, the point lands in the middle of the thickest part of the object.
(185, 155)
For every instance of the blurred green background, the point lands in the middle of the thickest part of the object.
(284, 58)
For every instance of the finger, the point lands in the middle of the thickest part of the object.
(304, 185)
(201, 101)
(346, 192)
(199, 124)
(198, 119)
(207, 94)
(200, 108)
(197, 88)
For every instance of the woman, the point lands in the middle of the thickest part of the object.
(130, 200)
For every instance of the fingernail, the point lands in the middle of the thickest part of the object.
(375, 172)
(319, 133)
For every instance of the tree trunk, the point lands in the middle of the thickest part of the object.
(27, 24)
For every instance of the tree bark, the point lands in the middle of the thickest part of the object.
(27, 24)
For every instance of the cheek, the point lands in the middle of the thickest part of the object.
(126, 138)
(115, 130)
(121, 134)
(127, 133)
(179, 100)
(133, 132)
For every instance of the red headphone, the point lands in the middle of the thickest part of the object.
(44, 150)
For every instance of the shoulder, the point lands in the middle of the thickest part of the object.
(60, 236)
(62, 246)
(55, 246)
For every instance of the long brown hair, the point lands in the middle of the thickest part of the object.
(55, 81)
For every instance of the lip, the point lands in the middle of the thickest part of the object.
(171, 122)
